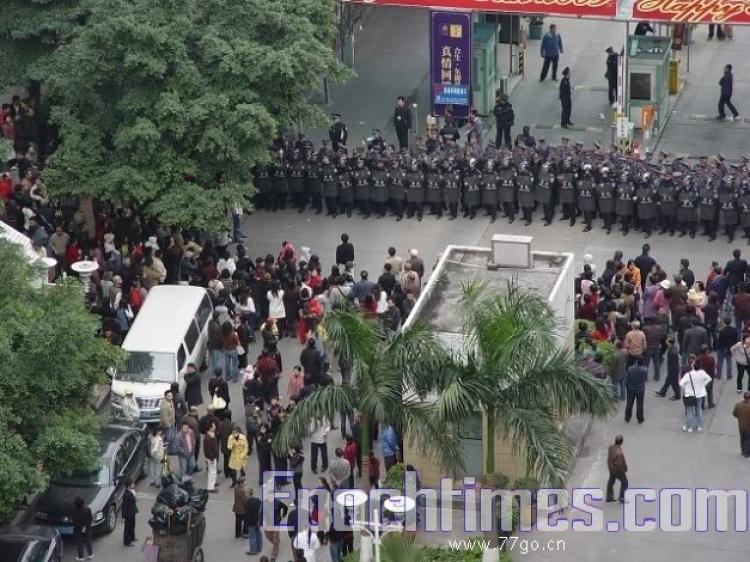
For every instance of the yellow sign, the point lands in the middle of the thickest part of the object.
(456, 31)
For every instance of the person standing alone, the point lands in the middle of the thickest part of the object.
(726, 85)
(129, 510)
(611, 75)
(504, 120)
(635, 386)
(551, 50)
(618, 468)
(402, 122)
(566, 100)
(741, 411)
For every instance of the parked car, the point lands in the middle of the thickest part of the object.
(123, 454)
(30, 543)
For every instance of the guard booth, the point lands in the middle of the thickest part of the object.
(648, 79)
(484, 69)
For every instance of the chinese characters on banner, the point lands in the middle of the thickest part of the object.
(450, 62)
(693, 11)
(575, 8)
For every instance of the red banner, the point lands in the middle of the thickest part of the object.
(575, 8)
(693, 11)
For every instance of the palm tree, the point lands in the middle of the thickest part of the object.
(393, 375)
(513, 370)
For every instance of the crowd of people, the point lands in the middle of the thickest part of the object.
(633, 316)
(439, 176)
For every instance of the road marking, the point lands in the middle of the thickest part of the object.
(589, 88)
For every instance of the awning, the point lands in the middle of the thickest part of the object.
(693, 11)
(570, 8)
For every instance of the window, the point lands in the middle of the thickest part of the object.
(640, 86)
(470, 428)
(204, 312)
(128, 446)
(191, 338)
(181, 355)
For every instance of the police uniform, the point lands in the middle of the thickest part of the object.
(687, 212)
(525, 183)
(330, 187)
(566, 186)
(414, 181)
(433, 189)
(379, 188)
(543, 192)
(646, 200)
(262, 182)
(346, 191)
(586, 198)
(314, 185)
(708, 208)
(489, 191)
(279, 186)
(507, 190)
(451, 189)
(362, 195)
(625, 204)
(472, 191)
(297, 183)
(605, 200)
(668, 204)
(728, 215)
(396, 190)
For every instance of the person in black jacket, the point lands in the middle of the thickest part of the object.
(129, 509)
(344, 251)
(611, 74)
(726, 85)
(312, 361)
(338, 133)
(193, 394)
(402, 122)
(82, 520)
(566, 100)
(504, 120)
(635, 385)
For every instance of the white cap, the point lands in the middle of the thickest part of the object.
(413, 252)
(666, 284)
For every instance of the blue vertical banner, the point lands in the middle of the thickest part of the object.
(450, 62)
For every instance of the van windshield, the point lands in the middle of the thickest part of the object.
(143, 366)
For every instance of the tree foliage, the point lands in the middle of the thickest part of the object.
(392, 373)
(513, 369)
(50, 360)
(169, 104)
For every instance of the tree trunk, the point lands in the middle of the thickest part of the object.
(364, 438)
(489, 449)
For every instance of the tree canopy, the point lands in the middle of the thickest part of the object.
(169, 104)
(50, 360)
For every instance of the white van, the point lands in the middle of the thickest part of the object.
(170, 331)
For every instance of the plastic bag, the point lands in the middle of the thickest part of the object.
(173, 496)
(184, 514)
(161, 511)
(199, 499)
(187, 485)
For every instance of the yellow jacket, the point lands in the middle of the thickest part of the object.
(238, 448)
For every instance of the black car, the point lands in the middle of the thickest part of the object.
(30, 543)
(123, 454)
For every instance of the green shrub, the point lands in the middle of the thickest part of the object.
(394, 478)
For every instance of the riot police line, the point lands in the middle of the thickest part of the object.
(666, 193)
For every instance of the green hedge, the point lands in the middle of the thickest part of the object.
(436, 554)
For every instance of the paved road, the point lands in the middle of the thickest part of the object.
(658, 452)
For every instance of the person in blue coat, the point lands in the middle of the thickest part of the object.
(389, 443)
(552, 48)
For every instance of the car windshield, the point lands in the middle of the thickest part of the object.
(86, 479)
(143, 366)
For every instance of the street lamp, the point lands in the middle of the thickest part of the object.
(375, 530)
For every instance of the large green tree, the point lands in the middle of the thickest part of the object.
(392, 374)
(30, 31)
(514, 372)
(50, 361)
(169, 104)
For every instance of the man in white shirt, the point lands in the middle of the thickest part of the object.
(308, 542)
(319, 429)
(693, 384)
(130, 410)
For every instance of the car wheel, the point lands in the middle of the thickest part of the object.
(143, 472)
(111, 521)
(198, 555)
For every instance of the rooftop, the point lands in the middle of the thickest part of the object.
(511, 259)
